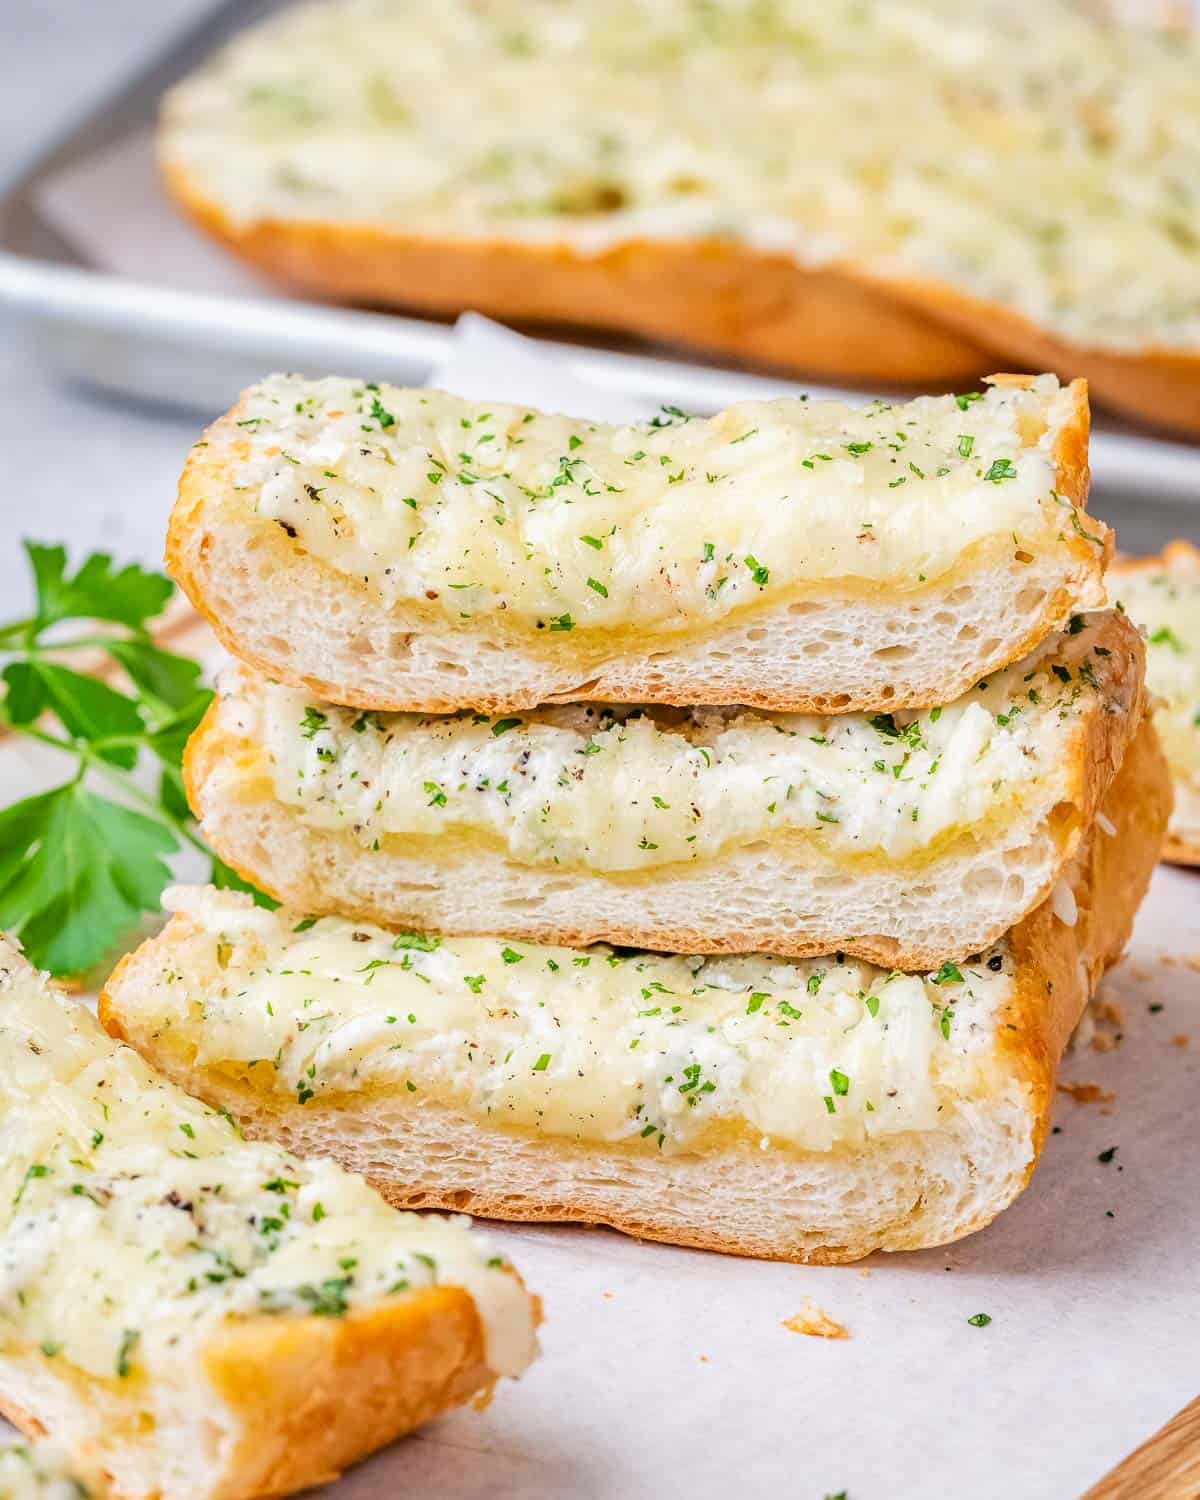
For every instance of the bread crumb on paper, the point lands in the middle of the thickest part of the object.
(815, 1322)
(1086, 1093)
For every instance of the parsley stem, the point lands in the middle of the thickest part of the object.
(76, 643)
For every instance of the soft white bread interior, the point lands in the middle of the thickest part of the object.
(40, 1471)
(1005, 183)
(201, 1317)
(902, 838)
(406, 549)
(1162, 594)
(806, 1110)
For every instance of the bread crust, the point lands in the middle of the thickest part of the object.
(841, 322)
(305, 1395)
(1096, 754)
(340, 1388)
(1178, 553)
(742, 303)
(1057, 966)
(663, 670)
(1159, 386)
(314, 1395)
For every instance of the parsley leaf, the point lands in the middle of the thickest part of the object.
(76, 873)
(77, 868)
(96, 592)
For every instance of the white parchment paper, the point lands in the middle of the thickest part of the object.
(668, 1372)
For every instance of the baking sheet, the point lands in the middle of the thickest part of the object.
(669, 1371)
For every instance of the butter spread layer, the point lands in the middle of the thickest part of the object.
(663, 1053)
(544, 523)
(619, 789)
(1166, 601)
(1038, 156)
(134, 1222)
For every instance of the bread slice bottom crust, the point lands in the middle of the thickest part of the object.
(907, 1192)
(842, 321)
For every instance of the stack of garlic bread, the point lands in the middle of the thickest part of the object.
(712, 828)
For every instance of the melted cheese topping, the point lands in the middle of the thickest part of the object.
(626, 789)
(1035, 156)
(134, 1222)
(37, 1472)
(460, 509)
(1166, 602)
(657, 1052)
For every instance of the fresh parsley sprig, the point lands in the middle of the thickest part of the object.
(77, 868)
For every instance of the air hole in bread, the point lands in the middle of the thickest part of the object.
(967, 633)
(1028, 601)
(805, 607)
(982, 882)
(892, 653)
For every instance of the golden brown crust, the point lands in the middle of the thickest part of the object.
(1058, 965)
(1179, 553)
(1108, 883)
(840, 322)
(315, 1395)
(205, 480)
(1096, 755)
(1159, 386)
(739, 302)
